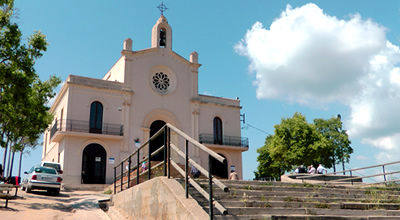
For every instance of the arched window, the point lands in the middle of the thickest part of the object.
(218, 131)
(96, 117)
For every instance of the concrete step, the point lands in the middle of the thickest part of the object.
(261, 200)
(256, 194)
(302, 217)
(308, 211)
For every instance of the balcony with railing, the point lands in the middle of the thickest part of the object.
(84, 127)
(226, 140)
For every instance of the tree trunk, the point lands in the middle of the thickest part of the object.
(9, 161)
(5, 155)
(344, 173)
(20, 162)
(12, 163)
(334, 164)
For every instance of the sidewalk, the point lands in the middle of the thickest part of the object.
(70, 204)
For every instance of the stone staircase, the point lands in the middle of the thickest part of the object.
(277, 200)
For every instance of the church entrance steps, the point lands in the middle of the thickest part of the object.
(277, 200)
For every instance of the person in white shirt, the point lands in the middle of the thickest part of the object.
(321, 169)
(311, 170)
(233, 176)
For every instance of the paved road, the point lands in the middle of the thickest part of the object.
(68, 205)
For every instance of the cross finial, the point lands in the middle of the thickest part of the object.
(162, 8)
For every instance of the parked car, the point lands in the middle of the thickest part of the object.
(43, 178)
(56, 166)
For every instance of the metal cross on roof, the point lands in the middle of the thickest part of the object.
(162, 8)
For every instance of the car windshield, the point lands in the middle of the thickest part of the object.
(45, 170)
(55, 166)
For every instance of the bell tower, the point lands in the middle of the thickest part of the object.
(161, 36)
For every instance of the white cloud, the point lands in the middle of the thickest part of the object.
(312, 58)
(309, 56)
(362, 158)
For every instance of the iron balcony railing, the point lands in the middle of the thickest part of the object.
(226, 140)
(84, 126)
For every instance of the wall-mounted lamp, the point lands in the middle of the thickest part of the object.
(119, 108)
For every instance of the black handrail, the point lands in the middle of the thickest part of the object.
(166, 130)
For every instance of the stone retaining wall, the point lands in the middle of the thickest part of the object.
(158, 198)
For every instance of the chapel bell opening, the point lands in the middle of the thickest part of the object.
(163, 38)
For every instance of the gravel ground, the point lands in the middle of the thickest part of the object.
(68, 205)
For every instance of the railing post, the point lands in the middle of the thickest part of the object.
(115, 180)
(186, 169)
(210, 192)
(129, 171)
(122, 172)
(137, 168)
(149, 165)
(169, 152)
(351, 176)
(384, 176)
(165, 150)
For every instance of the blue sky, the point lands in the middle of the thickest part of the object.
(320, 59)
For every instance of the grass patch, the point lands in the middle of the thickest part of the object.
(377, 196)
(108, 191)
(267, 184)
(267, 205)
(245, 199)
(234, 192)
(291, 199)
(322, 206)
(247, 187)
(308, 185)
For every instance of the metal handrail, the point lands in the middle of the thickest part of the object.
(197, 144)
(384, 174)
(201, 169)
(199, 189)
(166, 130)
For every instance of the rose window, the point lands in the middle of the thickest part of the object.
(161, 81)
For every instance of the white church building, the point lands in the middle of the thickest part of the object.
(96, 121)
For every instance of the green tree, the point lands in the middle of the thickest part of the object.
(295, 142)
(23, 96)
(338, 139)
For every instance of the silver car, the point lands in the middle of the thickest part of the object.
(43, 178)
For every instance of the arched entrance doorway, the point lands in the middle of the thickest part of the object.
(219, 169)
(158, 142)
(94, 164)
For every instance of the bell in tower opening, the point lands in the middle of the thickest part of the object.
(162, 38)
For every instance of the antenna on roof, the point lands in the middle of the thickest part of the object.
(243, 119)
(162, 8)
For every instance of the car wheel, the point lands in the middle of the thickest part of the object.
(28, 189)
(56, 192)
